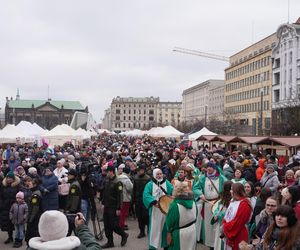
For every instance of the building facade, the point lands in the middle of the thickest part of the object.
(197, 99)
(216, 103)
(106, 121)
(286, 65)
(286, 79)
(127, 113)
(248, 87)
(46, 113)
(169, 113)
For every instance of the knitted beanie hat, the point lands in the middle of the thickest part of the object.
(20, 195)
(53, 225)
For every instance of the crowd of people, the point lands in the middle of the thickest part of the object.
(223, 199)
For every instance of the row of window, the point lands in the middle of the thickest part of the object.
(249, 94)
(151, 111)
(135, 105)
(250, 107)
(118, 118)
(130, 125)
(263, 62)
(265, 76)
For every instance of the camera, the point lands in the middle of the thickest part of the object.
(71, 217)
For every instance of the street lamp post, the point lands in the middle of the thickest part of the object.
(261, 111)
(205, 116)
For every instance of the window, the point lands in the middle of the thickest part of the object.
(151, 112)
(118, 111)
(117, 118)
(151, 118)
(291, 57)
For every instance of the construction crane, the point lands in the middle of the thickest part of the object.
(200, 53)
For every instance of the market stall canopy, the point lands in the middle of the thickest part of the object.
(30, 129)
(11, 134)
(167, 132)
(203, 131)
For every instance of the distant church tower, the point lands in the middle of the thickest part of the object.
(18, 95)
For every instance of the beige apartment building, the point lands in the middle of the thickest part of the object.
(127, 113)
(169, 113)
(248, 87)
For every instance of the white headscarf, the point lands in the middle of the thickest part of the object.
(155, 171)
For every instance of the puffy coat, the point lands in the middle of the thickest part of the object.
(7, 198)
(127, 187)
(18, 213)
(270, 181)
(50, 189)
(87, 241)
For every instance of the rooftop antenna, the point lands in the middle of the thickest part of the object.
(252, 35)
(18, 94)
(48, 93)
(288, 11)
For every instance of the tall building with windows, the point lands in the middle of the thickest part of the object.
(248, 87)
(286, 65)
(169, 113)
(127, 113)
(216, 103)
(286, 79)
(197, 101)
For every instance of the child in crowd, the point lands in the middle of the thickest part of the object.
(18, 216)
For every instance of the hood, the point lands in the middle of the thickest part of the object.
(123, 177)
(261, 163)
(66, 243)
(272, 174)
(15, 183)
(185, 200)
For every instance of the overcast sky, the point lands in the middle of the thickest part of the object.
(92, 51)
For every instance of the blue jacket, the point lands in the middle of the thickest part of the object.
(50, 190)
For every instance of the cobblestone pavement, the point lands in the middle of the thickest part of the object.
(132, 244)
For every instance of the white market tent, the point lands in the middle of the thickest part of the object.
(38, 128)
(82, 133)
(167, 132)
(11, 134)
(203, 131)
(103, 130)
(61, 134)
(134, 133)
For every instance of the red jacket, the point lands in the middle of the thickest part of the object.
(297, 210)
(236, 229)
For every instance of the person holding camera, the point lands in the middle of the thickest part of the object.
(57, 239)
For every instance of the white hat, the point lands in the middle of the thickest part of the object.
(31, 170)
(121, 166)
(53, 225)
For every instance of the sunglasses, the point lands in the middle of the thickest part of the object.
(271, 205)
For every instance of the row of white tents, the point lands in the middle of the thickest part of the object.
(26, 132)
(167, 132)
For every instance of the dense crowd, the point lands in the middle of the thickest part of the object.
(239, 199)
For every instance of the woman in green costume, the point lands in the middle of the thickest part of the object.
(181, 218)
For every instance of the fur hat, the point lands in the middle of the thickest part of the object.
(20, 195)
(53, 225)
